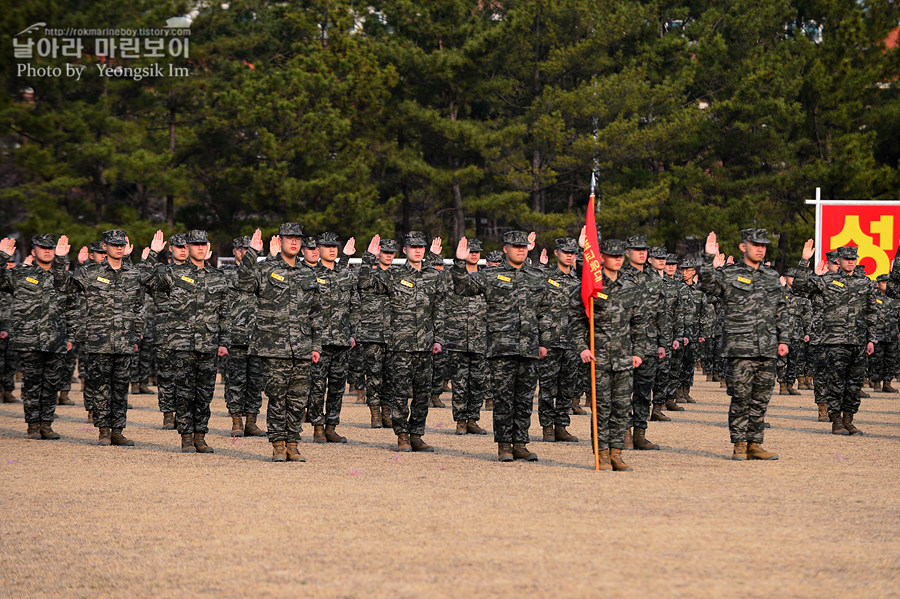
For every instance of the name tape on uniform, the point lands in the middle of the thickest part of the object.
(277, 276)
(187, 280)
(406, 283)
(552, 282)
(504, 279)
(838, 283)
(30, 280)
(102, 280)
(321, 281)
(744, 280)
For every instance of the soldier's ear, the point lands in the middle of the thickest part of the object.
(742, 247)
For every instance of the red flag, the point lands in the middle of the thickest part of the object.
(592, 271)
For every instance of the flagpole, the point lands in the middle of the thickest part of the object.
(594, 391)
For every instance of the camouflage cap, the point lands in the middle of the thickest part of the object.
(859, 269)
(241, 243)
(883, 278)
(494, 256)
(474, 245)
(415, 239)
(97, 247)
(516, 238)
(44, 240)
(567, 244)
(671, 259)
(636, 242)
(688, 263)
(389, 246)
(612, 247)
(831, 256)
(309, 242)
(290, 230)
(755, 235)
(791, 272)
(328, 238)
(847, 252)
(658, 251)
(115, 237)
(197, 236)
(434, 260)
(178, 240)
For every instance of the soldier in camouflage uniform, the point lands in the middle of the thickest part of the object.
(7, 356)
(664, 267)
(177, 253)
(518, 312)
(789, 366)
(114, 299)
(691, 301)
(816, 356)
(285, 333)
(757, 330)
(493, 258)
(440, 362)
(197, 295)
(465, 336)
(883, 363)
(142, 367)
(371, 339)
(413, 326)
(559, 371)
(620, 338)
(39, 332)
(243, 372)
(73, 311)
(96, 254)
(339, 297)
(846, 334)
(657, 337)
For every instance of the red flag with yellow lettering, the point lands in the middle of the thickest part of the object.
(591, 272)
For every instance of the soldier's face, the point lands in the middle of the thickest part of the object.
(290, 245)
(43, 255)
(847, 265)
(414, 253)
(386, 258)
(832, 267)
(688, 274)
(516, 254)
(179, 253)
(311, 255)
(473, 258)
(789, 281)
(97, 257)
(754, 252)
(565, 258)
(115, 251)
(612, 263)
(197, 251)
(671, 269)
(328, 253)
(637, 256)
(882, 286)
(658, 263)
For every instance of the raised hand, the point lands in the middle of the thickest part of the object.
(809, 249)
(821, 267)
(712, 246)
(62, 246)
(256, 241)
(719, 260)
(544, 258)
(582, 236)
(275, 245)
(29, 260)
(782, 280)
(128, 247)
(158, 243)
(350, 247)
(8, 246)
(144, 254)
(374, 245)
(208, 254)
(730, 260)
(462, 248)
(436, 245)
(531, 237)
(83, 254)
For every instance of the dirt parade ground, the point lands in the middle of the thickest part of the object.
(360, 520)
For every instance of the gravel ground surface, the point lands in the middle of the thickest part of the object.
(360, 520)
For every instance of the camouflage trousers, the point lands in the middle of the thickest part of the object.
(286, 385)
(109, 375)
(512, 381)
(9, 364)
(843, 372)
(613, 407)
(71, 360)
(142, 366)
(440, 371)
(373, 363)
(559, 375)
(87, 391)
(708, 355)
(688, 362)
(676, 363)
(643, 378)
(408, 389)
(42, 374)
(243, 381)
(815, 355)
(326, 389)
(469, 375)
(661, 382)
(165, 379)
(883, 363)
(789, 367)
(750, 384)
(355, 376)
(195, 381)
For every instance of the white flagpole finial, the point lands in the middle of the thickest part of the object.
(593, 183)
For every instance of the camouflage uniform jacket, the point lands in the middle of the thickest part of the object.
(888, 325)
(339, 295)
(372, 309)
(619, 323)
(288, 307)
(658, 328)
(241, 309)
(414, 307)
(6, 302)
(849, 313)
(465, 322)
(672, 293)
(114, 302)
(40, 310)
(800, 310)
(197, 303)
(692, 301)
(518, 318)
(756, 313)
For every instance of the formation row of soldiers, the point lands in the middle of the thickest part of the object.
(287, 324)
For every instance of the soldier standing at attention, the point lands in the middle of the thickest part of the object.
(7, 356)
(285, 333)
(672, 306)
(197, 295)
(559, 372)
(516, 295)
(884, 360)
(340, 316)
(39, 333)
(114, 300)
(96, 254)
(757, 331)
(165, 366)
(846, 332)
(441, 360)
(413, 333)
(693, 304)
(243, 372)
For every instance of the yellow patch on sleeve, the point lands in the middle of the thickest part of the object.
(187, 280)
(321, 281)
(30, 280)
(879, 301)
(552, 282)
(406, 283)
(102, 280)
(504, 279)
(744, 280)
(602, 295)
(277, 276)
(838, 283)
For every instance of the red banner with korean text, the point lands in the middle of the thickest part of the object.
(873, 227)
(592, 271)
